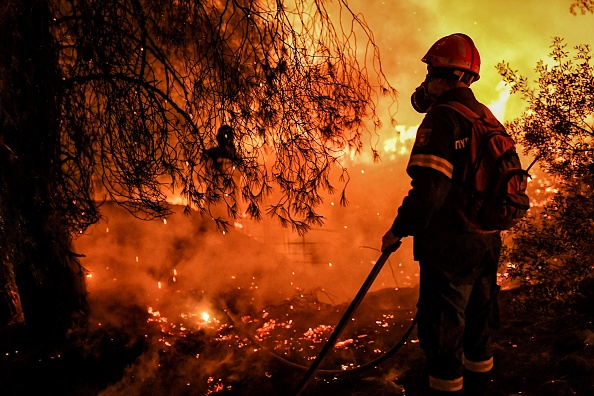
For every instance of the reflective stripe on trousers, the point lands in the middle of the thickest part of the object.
(479, 367)
(455, 385)
(444, 385)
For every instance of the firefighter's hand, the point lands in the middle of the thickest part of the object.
(390, 242)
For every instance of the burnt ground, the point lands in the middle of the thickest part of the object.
(537, 352)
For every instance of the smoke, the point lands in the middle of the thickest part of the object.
(136, 255)
(188, 259)
(176, 272)
(147, 262)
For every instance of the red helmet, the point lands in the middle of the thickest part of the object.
(456, 51)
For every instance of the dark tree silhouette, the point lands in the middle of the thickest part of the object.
(554, 249)
(41, 281)
(230, 107)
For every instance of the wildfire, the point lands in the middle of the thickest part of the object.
(400, 144)
(205, 317)
(293, 332)
(185, 324)
(296, 328)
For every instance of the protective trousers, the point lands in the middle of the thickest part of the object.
(457, 299)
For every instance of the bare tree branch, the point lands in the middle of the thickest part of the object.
(151, 83)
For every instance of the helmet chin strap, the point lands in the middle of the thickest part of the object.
(466, 78)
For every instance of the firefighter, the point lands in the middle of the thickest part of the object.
(458, 269)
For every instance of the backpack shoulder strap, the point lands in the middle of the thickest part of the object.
(464, 110)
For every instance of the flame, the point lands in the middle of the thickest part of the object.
(401, 143)
(499, 105)
(185, 323)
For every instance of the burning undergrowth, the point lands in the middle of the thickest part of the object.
(174, 312)
(228, 345)
(198, 312)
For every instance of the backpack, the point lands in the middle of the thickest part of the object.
(492, 194)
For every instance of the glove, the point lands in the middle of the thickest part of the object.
(390, 241)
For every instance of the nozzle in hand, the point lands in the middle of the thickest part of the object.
(390, 242)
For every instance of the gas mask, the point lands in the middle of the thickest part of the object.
(420, 99)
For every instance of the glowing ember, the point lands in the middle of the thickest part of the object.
(345, 343)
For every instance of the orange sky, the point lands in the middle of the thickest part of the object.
(519, 32)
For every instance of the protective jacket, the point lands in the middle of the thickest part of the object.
(436, 162)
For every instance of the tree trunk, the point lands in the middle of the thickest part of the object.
(41, 280)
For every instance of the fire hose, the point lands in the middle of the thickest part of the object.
(311, 370)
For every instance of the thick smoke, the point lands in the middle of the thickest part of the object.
(134, 255)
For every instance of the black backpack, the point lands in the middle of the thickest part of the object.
(492, 194)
